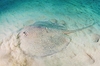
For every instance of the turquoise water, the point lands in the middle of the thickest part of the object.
(15, 14)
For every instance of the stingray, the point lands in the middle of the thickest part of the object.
(44, 38)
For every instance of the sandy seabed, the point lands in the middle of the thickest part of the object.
(82, 50)
(84, 46)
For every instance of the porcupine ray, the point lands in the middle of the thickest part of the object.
(44, 38)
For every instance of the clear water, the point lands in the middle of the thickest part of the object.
(14, 14)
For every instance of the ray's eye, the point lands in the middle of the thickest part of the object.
(25, 33)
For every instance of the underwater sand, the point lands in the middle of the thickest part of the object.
(84, 47)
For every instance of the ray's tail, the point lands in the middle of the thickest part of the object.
(80, 29)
